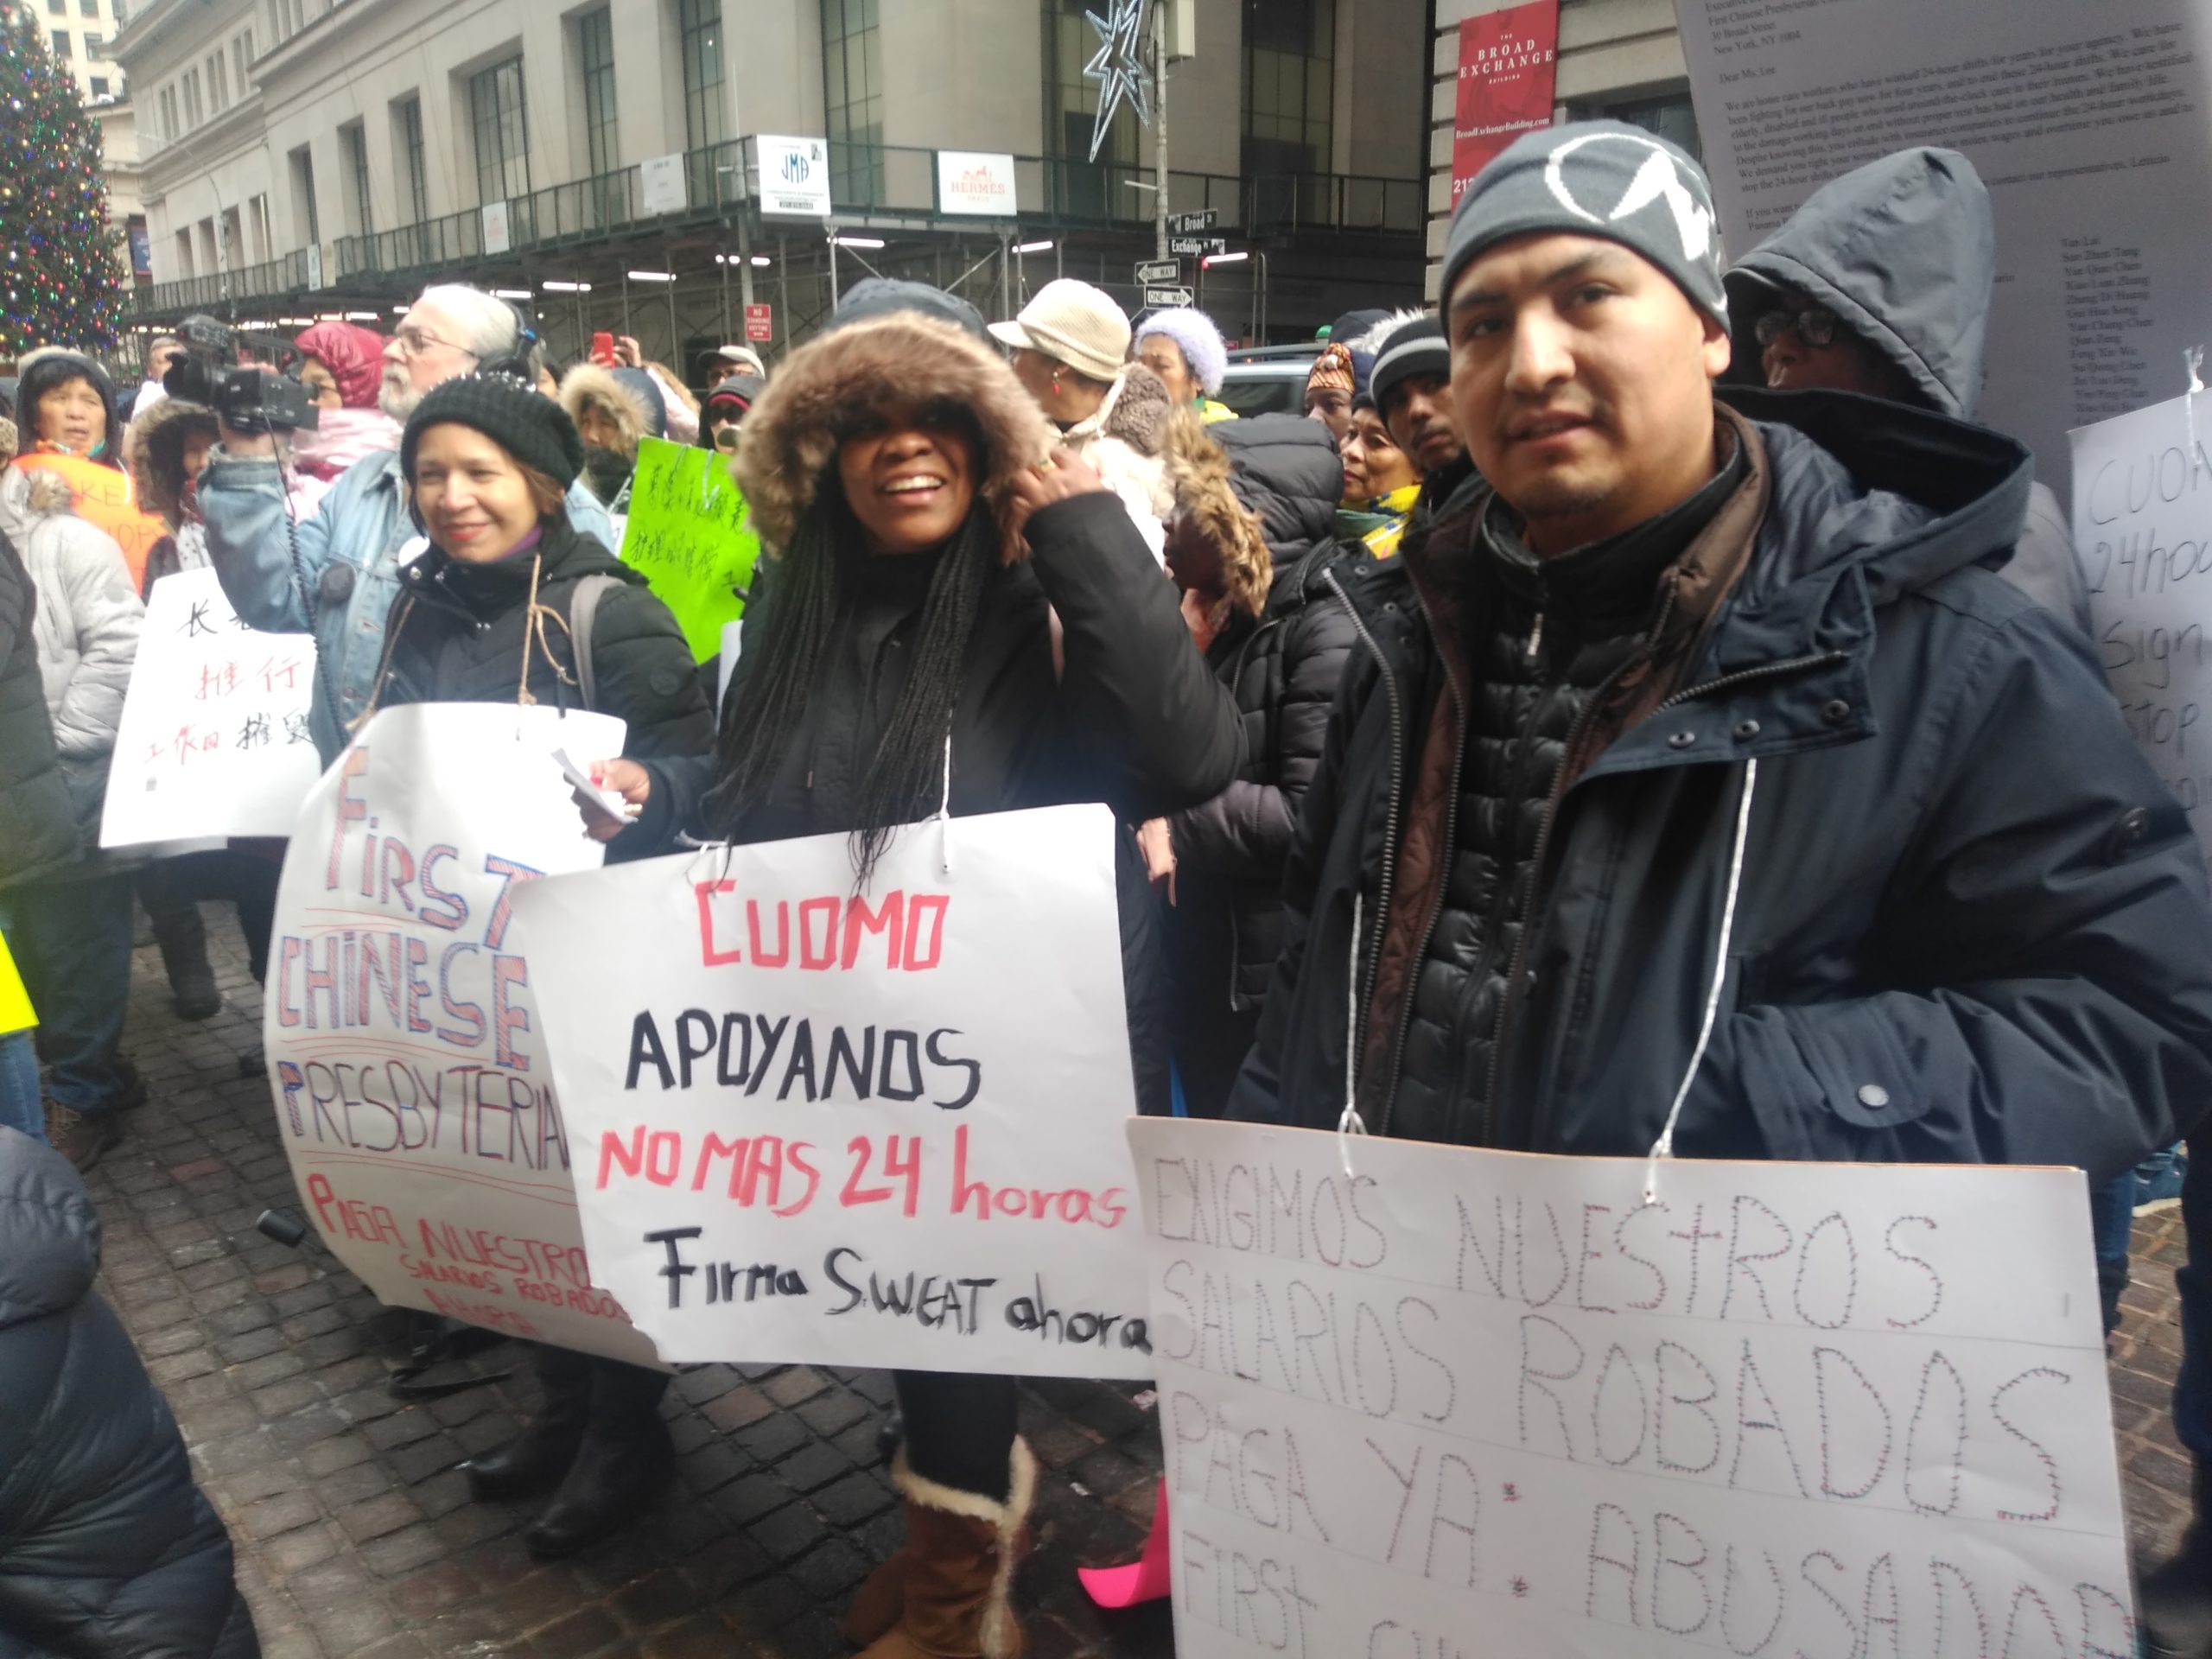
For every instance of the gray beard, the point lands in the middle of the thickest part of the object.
(398, 398)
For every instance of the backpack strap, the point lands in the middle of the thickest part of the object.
(583, 612)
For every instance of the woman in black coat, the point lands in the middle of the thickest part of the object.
(1281, 659)
(935, 580)
(511, 603)
(107, 1548)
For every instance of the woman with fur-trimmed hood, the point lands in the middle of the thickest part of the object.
(614, 411)
(936, 578)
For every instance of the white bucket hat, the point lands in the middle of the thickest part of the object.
(1074, 322)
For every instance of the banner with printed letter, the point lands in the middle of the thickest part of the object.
(2142, 484)
(877, 1128)
(1508, 67)
(406, 1043)
(687, 535)
(1409, 1393)
(214, 739)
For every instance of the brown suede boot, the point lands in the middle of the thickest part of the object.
(948, 1592)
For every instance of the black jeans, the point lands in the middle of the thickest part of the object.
(173, 889)
(959, 1429)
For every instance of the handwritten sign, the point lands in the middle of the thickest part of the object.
(871, 1129)
(2143, 484)
(687, 534)
(1459, 1401)
(214, 739)
(406, 1048)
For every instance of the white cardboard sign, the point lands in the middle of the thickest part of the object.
(662, 187)
(497, 238)
(882, 1129)
(214, 739)
(405, 1040)
(1458, 1401)
(794, 176)
(2087, 122)
(2142, 485)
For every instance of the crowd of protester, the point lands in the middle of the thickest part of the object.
(1612, 690)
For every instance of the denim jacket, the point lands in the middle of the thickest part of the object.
(349, 561)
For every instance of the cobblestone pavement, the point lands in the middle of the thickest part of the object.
(356, 1536)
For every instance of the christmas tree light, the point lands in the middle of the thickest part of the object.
(59, 281)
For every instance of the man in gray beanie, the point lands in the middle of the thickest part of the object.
(1676, 802)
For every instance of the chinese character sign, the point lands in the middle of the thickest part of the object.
(213, 740)
(405, 1041)
(862, 1128)
(1506, 77)
(1413, 1393)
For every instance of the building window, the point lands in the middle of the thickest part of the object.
(303, 194)
(410, 152)
(93, 44)
(852, 89)
(169, 113)
(1077, 186)
(356, 140)
(699, 34)
(495, 110)
(61, 44)
(1668, 116)
(88, 8)
(595, 51)
(241, 55)
(1289, 52)
(99, 86)
(184, 250)
(218, 82)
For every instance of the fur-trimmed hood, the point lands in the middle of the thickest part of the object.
(45, 492)
(827, 385)
(621, 396)
(1198, 473)
(157, 440)
(1137, 410)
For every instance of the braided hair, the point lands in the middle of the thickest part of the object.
(905, 775)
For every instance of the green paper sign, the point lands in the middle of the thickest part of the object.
(687, 535)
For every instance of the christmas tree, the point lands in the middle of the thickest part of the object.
(58, 282)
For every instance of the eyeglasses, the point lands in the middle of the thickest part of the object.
(414, 341)
(1815, 325)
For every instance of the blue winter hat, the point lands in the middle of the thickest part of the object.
(1196, 337)
(1596, 178)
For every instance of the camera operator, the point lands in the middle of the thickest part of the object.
(336, 572)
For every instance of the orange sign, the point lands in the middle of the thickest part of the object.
(105, 497)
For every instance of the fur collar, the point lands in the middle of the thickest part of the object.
(791, 437)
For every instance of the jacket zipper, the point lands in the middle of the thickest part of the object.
(1506, 1007)
(1518, 965)
(1236, 684)
(1390, 821)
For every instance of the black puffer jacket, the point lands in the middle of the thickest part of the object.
(107, 1549)
(1282, 668)
(38, 826)
(456, 635)
(1972, 925)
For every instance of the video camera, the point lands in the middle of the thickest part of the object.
(250, 400)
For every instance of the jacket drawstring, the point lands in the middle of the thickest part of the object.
(1664, 1146)
(1349, 1123)
(533, 632)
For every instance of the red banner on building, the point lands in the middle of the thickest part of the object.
(1507, 62)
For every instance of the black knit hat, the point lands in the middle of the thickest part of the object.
(1415, 347)
(533, 428)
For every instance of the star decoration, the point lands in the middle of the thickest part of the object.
(1118, 68)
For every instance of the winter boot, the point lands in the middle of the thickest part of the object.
(955, 1573)
(182, 936)
(536, 1459)
(2176, 1599)
(626, 1459)
(81, 1137)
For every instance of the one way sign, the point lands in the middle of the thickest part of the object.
(1167, 296)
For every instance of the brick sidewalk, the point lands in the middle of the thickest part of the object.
(357, 1538)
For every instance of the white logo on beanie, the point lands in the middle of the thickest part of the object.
(1659, 179)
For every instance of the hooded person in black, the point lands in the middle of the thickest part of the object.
(1707, 704)
(935, 580)
(1880, 284)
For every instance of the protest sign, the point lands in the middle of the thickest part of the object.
(1423, 1401)
(2143, 532)
(1507, 68)
(406, 1044)
(214, 739)
(687, 535)
(2086, 122)
(881, 1127)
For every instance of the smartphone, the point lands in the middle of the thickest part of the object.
(602, 350)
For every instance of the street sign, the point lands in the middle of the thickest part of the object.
(760, 323)
(1199, 245)
(1191, 224)
(1167, 296)
(1160, 271)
